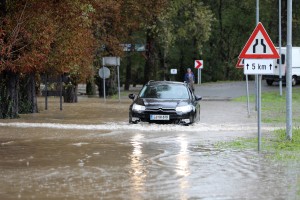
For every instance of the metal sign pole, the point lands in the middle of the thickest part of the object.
(198, 76)
(119, 83)
(46, 91)
(61, 89)
(256, 76)
(289, 120)
(280, 66)
(247, 90)
(258, 90)
(259, 113)
(104, 95)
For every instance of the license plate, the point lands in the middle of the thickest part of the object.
(159, 117)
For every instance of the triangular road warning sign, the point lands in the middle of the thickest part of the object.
(240, 63)
(259, 45)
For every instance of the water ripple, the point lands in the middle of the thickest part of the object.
(141, 127)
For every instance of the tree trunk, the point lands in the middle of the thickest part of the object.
(99, 83)
(2, 8)
(70, 89)
(28, 99)
(162, 58)
(13, 86)
(9, 87)
(70, 94)
(112, 82)
(128, 67)
(3, 90)
(128, 72)
(182, 70)
(150, 58)
(90, 87)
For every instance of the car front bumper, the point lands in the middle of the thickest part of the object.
(180, 118)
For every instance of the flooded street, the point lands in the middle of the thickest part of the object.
(89, 151)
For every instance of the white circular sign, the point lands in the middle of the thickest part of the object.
(104, 72)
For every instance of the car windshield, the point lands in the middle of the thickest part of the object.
(165, 91)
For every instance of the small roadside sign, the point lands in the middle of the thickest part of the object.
(111, 61)
(259, 66)
(104, 72)
(173, 71)
(259, 45)
(199, 64)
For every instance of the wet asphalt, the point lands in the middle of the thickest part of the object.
(90, 151)
(230, 90)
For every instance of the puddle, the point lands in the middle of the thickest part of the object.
(63, 155)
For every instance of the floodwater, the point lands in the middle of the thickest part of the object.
(89, 151)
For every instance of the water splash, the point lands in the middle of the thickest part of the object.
(199, 127)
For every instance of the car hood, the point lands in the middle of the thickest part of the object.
(163, 103)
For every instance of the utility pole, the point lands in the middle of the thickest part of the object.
(258, 91)
(289, 121)
(256, 76)
(280, 60)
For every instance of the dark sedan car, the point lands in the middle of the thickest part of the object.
(165, 102)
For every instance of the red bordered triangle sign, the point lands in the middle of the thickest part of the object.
(259, 45)
(240, 63)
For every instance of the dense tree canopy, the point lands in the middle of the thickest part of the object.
(70, 37)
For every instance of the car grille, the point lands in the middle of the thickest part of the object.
(162, 110)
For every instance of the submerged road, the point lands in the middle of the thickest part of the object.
(89, 151)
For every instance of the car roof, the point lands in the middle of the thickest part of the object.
(165, 82)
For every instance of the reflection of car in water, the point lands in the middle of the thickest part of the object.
(165, 102)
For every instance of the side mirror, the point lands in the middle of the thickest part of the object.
(131, 96)
(198, 98)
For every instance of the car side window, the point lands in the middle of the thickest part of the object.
(191, 94)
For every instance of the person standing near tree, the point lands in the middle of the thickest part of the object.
(189, 78)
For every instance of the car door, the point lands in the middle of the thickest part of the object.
(196, 104)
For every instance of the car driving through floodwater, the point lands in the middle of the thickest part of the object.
(165, 102)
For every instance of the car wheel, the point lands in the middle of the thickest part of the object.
(269, 82)
(132, 122)
(177, 122)
(196, 117)
(192, 119)
(294, 80)
(130, 119)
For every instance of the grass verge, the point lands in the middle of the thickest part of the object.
(274, 106)
(123, 95)
(276, 147)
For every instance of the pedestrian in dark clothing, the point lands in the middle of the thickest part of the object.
(189, 78)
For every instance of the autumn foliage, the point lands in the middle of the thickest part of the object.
(70, 37)
(57, 37)
(52, 37)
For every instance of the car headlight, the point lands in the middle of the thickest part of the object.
(138, 108)
(184, 109)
